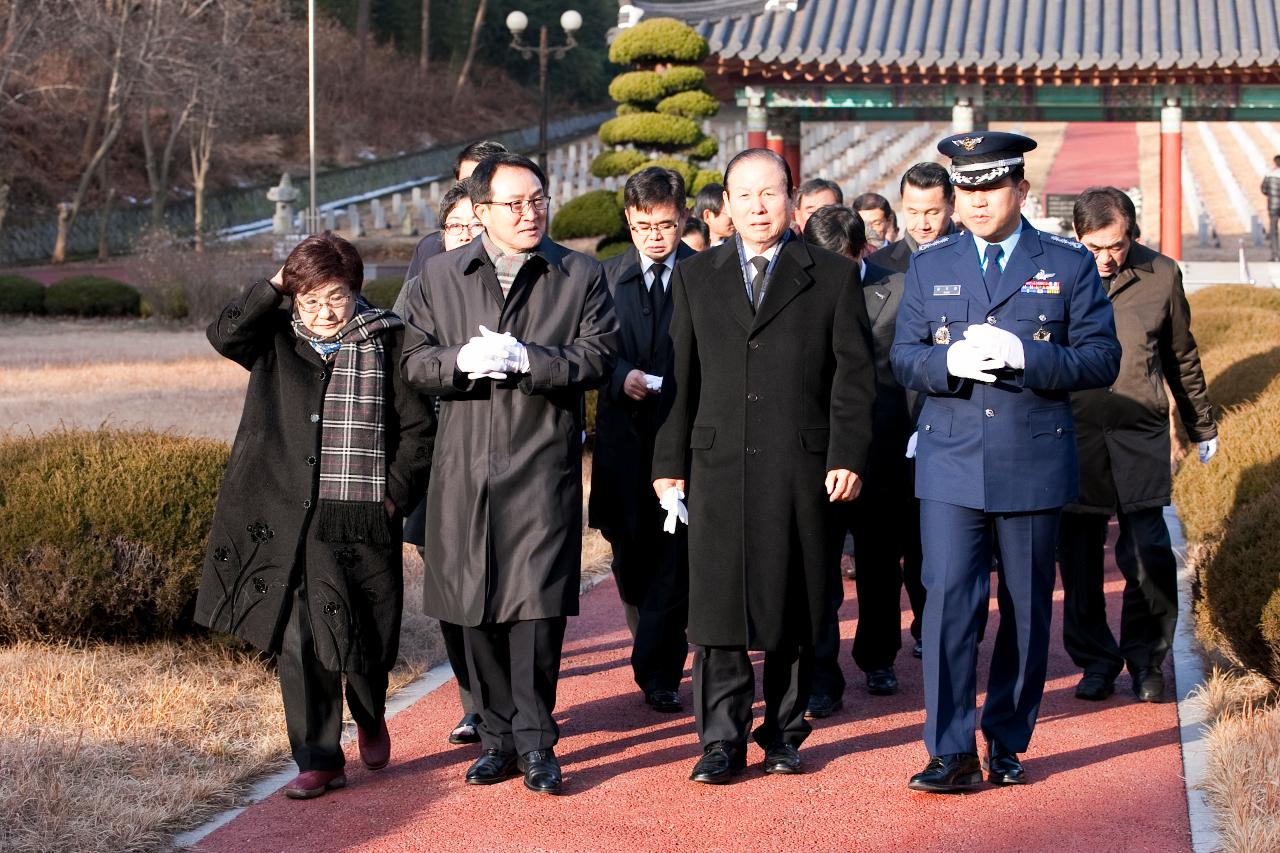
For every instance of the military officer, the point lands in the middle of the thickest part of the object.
(997, 325)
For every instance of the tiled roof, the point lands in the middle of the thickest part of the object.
(1079, 35)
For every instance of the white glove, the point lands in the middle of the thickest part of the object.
(997, 344)
(966, 361)
(515, 356)
(673, 502)
(653, 383)
(1207, 449)
(478, 359)
(911, 445)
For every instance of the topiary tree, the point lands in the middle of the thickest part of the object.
(662, 103)
(20, 295)
(92, 296)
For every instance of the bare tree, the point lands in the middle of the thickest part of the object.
(18, 41)
(424, 48)
(476, 29)
(364, 14)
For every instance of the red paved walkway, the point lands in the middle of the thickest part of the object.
(1095, 154)
(1107, 776)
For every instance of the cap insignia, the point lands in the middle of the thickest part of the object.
(969, 142)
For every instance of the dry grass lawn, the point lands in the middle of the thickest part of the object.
(119, 747)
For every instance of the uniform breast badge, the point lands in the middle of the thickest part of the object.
(1041, 334)
(942, 336)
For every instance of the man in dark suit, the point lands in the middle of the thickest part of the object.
(928, 204)
(651, 567)
(509, 332)
(772, 388)
(885, 520)
(997, 326)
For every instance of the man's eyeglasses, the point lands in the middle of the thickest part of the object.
(335, 302)
(664, 227)
(518, 207)
(457, 229)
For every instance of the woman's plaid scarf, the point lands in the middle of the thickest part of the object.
(353, 458)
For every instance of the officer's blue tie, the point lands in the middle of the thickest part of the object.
(991, 275)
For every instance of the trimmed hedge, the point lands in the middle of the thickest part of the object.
(651, 130)
(685, 170)
(92, 296)
(102, 533)
(658, 40)
(637, 87)
(610, 164)
(595, 214)
(382, 292)
(693, 105)
(628, 110)
(611, 247)
(20, 295)
(704, 149)
(682, 78)
(704, 177)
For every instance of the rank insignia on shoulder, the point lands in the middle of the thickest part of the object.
(941, 241)
(1043, 288)
(1065, 242)
(946, 290)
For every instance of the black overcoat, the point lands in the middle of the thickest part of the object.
(763, 406)
(263, 526)
(626, 428)
(1122, 431)
(888, 470)
(504, 507)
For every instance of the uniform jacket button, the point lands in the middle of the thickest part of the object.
(991, 413)
(315, 418)
(991, 318)
(1058, 430)
(928, 427)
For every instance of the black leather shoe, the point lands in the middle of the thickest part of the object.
(1148, 684)
(1095, 687)
(720, 762)
(1003, 767)
(665, 701)
(782, 759)
(820, 707)
(882, 682)
(541, 771)
(465, 730)
(945, 774)
(492, 767)
(917, 651)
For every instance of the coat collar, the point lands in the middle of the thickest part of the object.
(790, 278)
(1023, 263)
(474, 259)
(633, 269)
(1139, 261)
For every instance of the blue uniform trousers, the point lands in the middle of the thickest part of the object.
(957, 569)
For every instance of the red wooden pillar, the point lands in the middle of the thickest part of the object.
(757, 119)
(1171, 179)
(784, 140)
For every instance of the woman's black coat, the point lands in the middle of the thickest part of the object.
(263, 539)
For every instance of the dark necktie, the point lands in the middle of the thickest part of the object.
(991, 276)
(761, 264)
(657, 292)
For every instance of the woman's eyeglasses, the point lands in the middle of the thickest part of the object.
(457, 229)
(335, 302)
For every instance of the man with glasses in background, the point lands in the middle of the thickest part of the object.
(651, 567)
(509, 331)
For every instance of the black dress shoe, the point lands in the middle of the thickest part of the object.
(917, 651)
(1003, 766)
(492, 767)
(1095, 687)
(882, 682)
(541, 771)
(465, 731)
(1148, 684)
(782, 759)
(820, 707)
(945, 774)
(665, 701)
(720, 762)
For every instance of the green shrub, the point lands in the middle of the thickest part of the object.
(651, 130)
(637, 87)
(102, 533)
(92, 296)
(693, 105)
(629, 110)
(658, 40)
(611, 247)
(610, 164)
(20, 295)
(597, 213)
(382, 292)
(704, 177)
(686, 171)
(704, 149)
(682, 78)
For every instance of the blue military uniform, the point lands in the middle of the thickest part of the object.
(996, 458)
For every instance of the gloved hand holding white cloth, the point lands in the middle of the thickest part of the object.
(1208, 449)
(911, 445)
(966, 361)
(653, 383)
(478, 359)
(997, 344)
(673, 502)
(515, 356)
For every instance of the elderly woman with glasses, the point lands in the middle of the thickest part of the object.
(304, 558)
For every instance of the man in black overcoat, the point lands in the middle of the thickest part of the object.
(772, 389)
(651, 567)
(509, 331)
